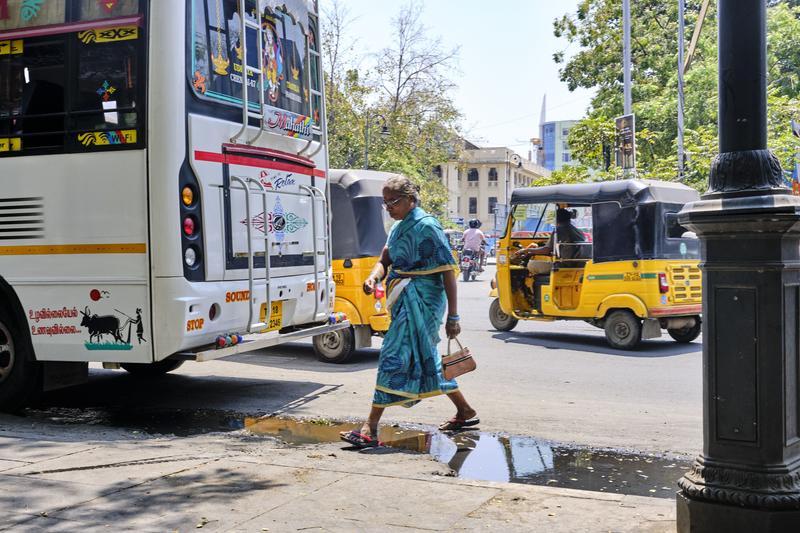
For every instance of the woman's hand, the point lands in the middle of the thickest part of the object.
(369, 285)
(452, 329)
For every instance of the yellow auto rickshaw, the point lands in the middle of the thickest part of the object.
(635, 274)
(359, 227)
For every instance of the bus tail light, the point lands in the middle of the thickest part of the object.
(187, 196)
(663, 286)
(190, 257)
(188, 226)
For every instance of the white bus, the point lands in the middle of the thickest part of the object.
(150, 152)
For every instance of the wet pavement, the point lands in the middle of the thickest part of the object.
(479, 455)
(473, 455)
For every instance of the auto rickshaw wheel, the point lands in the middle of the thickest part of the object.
(687, 335)
(335, 347)
(149, 370)
(501, 321)
(623, 329)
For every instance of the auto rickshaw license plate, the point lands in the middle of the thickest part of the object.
(276, 315)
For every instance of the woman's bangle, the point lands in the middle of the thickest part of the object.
(453, 318)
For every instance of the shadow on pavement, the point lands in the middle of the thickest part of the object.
(173, 403)
(300, 356)
(597, 344)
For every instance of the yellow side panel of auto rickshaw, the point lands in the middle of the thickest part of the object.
(594, 289)
(350, 298)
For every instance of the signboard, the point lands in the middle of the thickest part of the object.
(626, 142)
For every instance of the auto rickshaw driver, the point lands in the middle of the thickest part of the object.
(564, 233)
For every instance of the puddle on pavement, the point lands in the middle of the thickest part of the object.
(475, 455)
(478, 455)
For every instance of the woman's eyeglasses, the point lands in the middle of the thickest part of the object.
(391, 203)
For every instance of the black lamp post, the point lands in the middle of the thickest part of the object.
(372, 120)
(748, 477)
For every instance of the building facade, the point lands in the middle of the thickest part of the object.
(479, 185)
(555, 148)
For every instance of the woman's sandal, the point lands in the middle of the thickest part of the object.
(359, 440)
(455, 423)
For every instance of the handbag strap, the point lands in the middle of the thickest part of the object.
(460, 347)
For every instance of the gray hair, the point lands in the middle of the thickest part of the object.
(403, 186)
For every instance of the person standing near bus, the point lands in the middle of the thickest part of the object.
(420, 276)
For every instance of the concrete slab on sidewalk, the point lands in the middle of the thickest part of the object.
(360, 502)
(19, 494)
(219, 495)
(14, 448)
(120, 466)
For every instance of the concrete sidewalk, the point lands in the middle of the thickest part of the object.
(83, 478)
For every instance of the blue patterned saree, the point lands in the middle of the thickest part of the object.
(410, 367)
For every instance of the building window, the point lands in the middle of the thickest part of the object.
(492, 174)
(492, 204)
(473, 206)
(566, 157)
(565, 132)
(437, 171)
(458, 206)
(472, 175)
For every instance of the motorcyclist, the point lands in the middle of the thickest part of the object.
(474, 241)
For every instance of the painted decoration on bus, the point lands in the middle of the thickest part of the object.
(106, 138)
(109, 35)
(286, 32)
(112, 331)
(31, 13)
(13, 47)
(278, 222)
(13, 144)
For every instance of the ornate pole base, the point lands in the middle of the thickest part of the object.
(748, 477)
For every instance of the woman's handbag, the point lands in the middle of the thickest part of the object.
(457, 363)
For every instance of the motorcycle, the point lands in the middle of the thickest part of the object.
(470, 265)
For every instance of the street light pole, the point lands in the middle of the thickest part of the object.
(681, 31)
(371, 120)
(748, 475)
(626, 53)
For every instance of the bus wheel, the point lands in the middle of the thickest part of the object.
(335, 347)
(19, 372)
(686, 335)
(623, 330)
(501, 321)
(152, 369)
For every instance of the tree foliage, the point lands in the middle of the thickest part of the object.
(404, 87)
(596, 29)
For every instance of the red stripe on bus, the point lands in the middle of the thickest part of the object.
(253, 162)
(257, 150)
(56, 29)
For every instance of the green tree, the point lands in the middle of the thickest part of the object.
(596, 28)
(408, 90)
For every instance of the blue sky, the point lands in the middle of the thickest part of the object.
(511, 37)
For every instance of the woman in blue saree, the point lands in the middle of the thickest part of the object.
(420, 275)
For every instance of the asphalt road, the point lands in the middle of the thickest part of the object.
(556, 381)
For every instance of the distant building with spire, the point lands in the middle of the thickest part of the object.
(553, 151)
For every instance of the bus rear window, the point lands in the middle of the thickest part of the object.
(16, 14)
(289, 49)
(74, 91)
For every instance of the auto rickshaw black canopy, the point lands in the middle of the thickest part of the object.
(624, 192)
(357, 228)
(631, 219)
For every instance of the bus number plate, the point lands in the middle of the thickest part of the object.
(276, 316)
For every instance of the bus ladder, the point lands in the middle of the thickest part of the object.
(246, 70)
(315, 195)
